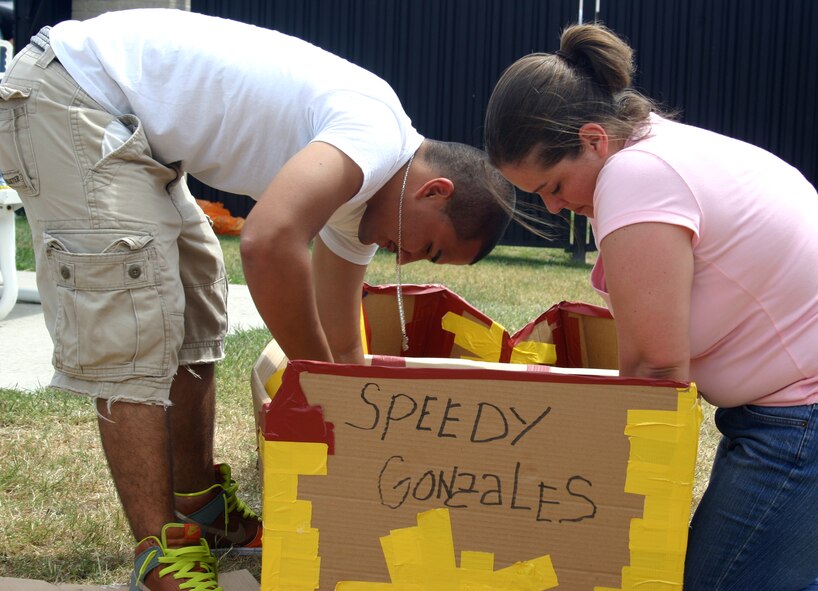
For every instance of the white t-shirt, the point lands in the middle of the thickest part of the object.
(754, 218)
(233, 102)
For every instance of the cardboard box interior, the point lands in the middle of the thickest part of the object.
(583, 335)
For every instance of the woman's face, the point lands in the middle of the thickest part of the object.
(568, 184)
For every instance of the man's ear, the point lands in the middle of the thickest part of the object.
(594, 139)
(440, 188)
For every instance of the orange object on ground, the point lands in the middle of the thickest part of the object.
(223, 222)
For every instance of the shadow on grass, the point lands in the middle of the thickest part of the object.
(524, 261)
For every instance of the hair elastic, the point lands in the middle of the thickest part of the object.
(560, 53)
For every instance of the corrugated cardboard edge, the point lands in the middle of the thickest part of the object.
(240, 580)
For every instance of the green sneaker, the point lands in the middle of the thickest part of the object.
(228, 524)
(179, 560)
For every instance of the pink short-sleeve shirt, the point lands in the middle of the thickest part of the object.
(754, 218)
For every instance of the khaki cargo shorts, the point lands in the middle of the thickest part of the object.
(130, 273)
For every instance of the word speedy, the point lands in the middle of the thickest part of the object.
(482, 423)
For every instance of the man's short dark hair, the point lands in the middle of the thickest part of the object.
(483, 200)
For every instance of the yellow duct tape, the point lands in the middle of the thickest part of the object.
(293, 457)
(530, 575)
(387, 546)
(300, 572)
(437, 544)
(295, 544)
(270, 562)
(661, 467)
(364, 344)
(290, 560)
(281, 488)
(422, 558)
(273, 383)
(293, 516)
(470, 560)
(365, 586)
(534, 353)
(405, 548)
(487, 342)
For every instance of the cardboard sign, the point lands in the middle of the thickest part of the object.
(447, 474)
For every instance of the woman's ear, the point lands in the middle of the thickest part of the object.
(594, 139)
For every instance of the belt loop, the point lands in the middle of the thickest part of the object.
(42, 37)
(45, 59)
(42, 41)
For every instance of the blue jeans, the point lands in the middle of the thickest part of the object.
(756, 528)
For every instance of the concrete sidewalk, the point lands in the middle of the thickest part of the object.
(25, 345)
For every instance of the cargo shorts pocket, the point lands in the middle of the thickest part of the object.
(111, 319)
(17, 162)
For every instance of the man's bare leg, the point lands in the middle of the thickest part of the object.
(192, 419)
(139, 441)
(192, 423)
(137, 445)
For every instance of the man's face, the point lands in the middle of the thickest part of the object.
(427, 234)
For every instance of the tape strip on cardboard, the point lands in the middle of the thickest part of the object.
(423, 558)
(290, 560)
(492, 343)
(661, 467)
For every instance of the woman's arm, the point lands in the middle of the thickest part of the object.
(649, 275)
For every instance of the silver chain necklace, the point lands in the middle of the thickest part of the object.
(401, 313)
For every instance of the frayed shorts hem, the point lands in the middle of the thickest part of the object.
(199, 353)
(134, 390)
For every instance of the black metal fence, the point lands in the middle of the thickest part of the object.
(745, 68)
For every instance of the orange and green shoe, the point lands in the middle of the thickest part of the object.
(229, 525)
(179, 559)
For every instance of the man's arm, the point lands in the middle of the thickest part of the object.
(649, 275)
(275, 245)
(338, 288)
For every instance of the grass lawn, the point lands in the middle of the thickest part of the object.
(60, 517)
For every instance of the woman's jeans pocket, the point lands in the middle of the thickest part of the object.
(17, 162)
(111, 319)
(779, 433)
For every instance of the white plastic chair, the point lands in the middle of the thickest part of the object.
(9, 203)
(6, 53)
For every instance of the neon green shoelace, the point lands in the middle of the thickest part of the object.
(193, 563)
(234, 502)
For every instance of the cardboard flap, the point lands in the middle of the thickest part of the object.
(441, 324)
(425, 306)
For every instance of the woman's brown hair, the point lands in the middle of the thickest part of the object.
(542, 100)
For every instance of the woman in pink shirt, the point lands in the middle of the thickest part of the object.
(708, 260)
